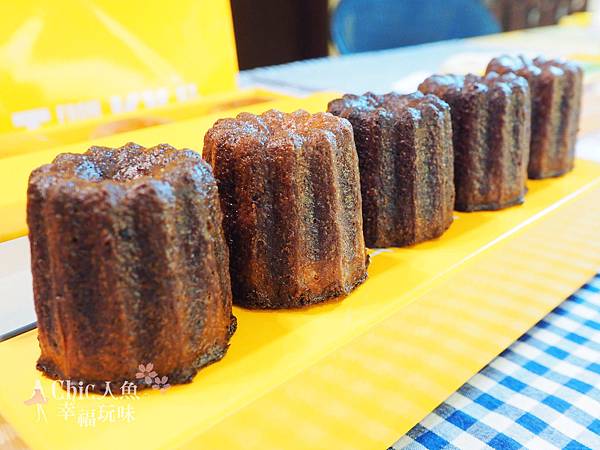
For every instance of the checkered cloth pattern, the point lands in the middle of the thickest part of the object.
(543, 392)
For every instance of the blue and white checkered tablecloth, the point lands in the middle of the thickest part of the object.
(543, 392)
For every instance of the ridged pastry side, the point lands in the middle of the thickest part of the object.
(289, 187)
(491, 133)
(556, 90)
(404, 145)
(129, 269)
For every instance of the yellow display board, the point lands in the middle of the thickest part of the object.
(21, 142)
(356, 373)
(67, 61)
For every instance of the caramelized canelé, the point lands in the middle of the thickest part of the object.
(290, 193)
(130, 264)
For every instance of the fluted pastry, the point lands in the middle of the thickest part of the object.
(290, 193)
(556, 88)
(129, 263)
(491, 131)
(404, 145)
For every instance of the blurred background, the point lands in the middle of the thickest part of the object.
(272, 32)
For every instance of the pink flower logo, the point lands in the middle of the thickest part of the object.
(146, 372)
(161, 384)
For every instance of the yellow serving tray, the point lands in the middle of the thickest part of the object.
(356, 373)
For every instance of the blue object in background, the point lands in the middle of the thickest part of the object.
(365, 25)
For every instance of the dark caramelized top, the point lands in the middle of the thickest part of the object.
(532, 68)
(121, 165)
(443, 85)
(274, 129)
(372, 105)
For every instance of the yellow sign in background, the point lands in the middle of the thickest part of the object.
(69, 60)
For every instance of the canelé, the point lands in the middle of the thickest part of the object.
(556, 88)
(290, 194)
(406, 159)
(130, 264)
(491, 125)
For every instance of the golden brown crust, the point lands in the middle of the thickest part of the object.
(289, 189)
(491, 133)
(404, 145)
(129, 264)
(556, 88)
